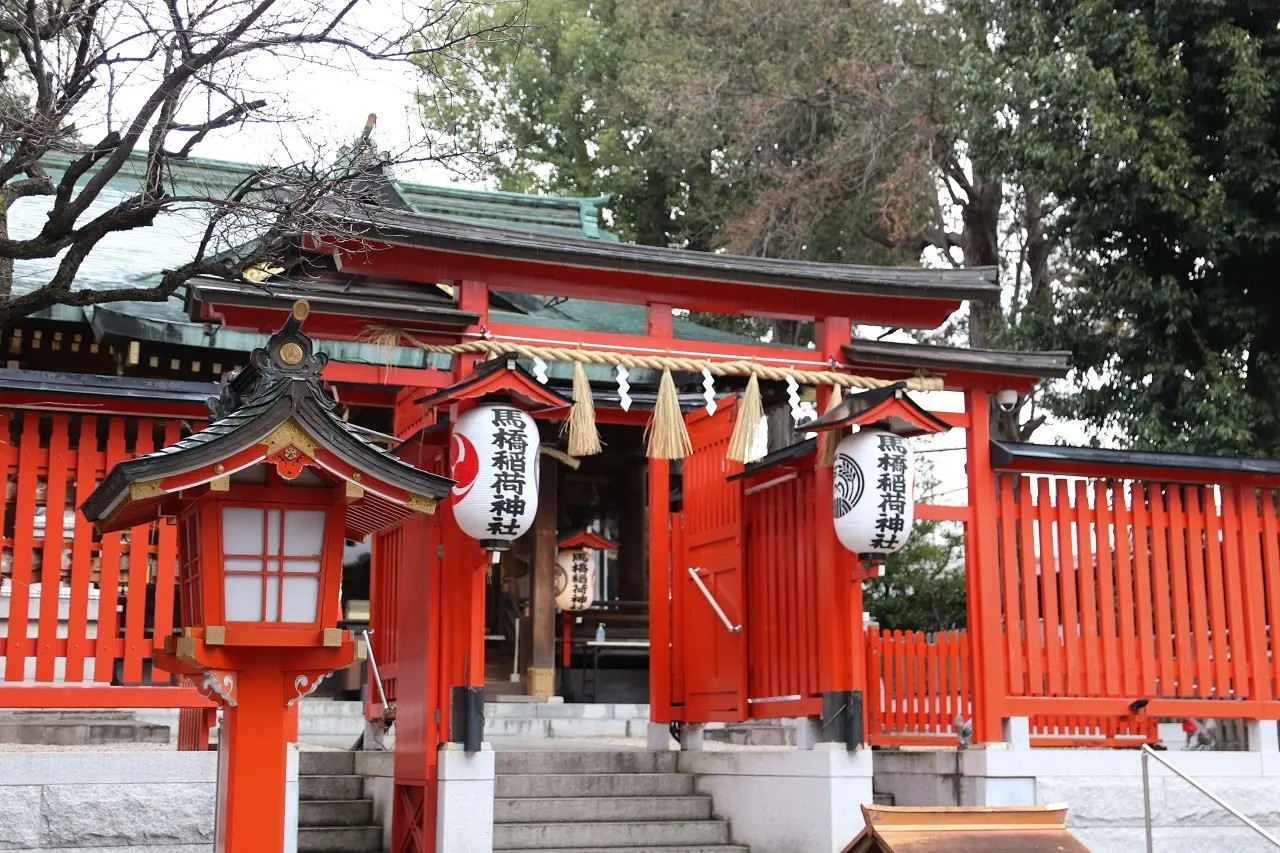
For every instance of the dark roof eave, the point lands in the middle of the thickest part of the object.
(1036, 365)
(281, 295)
(1093, 461)
(106, 387)
(492, 241)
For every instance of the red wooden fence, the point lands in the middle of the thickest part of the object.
(85, 612)
(920, 683)
(782, 587)
(1116, 589)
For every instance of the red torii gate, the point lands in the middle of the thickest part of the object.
(435, 575)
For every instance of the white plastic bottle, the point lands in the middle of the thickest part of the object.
(600, 632)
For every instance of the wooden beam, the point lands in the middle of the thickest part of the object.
(542, 606)
(378, 374)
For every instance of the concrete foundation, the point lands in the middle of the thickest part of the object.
(117, 802)
(786, 801)
(79, 728)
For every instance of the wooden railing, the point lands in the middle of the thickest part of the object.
(919, 684)
(1137, 591)
(82, 612)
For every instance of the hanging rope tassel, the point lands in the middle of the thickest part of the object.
(584, 438)
(668, 437)
(829, 440)
(743, 440)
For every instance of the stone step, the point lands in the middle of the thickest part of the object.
(330, 787)
(605, 834)
(508, 786)
(564, 727)
(326, 763)
(586, 761)
(696, 848)
(335, 813)
(340, 839)
(569, 809)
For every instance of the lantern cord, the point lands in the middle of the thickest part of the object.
(388, 337)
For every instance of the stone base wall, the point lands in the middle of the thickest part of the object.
(122, 802)
(117, 802)
(1102, 790)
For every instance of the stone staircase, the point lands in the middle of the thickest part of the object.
(334, 816)
(593, 801)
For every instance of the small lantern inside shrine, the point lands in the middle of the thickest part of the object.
(575, 575)
(493, 450)
(873, 474)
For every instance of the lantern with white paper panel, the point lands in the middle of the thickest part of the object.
(873, 479)
(494, 462)
(575, 576)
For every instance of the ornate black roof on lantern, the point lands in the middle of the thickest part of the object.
(276, 402)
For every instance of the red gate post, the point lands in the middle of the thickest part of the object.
(982, 575)
(661, 567)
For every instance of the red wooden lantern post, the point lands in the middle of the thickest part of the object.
(263, 498)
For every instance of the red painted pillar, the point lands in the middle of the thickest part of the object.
(982, 575)
(837, 660)
(252, 765)
(660, 325)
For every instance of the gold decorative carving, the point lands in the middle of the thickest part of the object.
(301, 310)
(290, 433)
(219, 468)
(357, 476)
(418, 503)
(215, 635)
(291, 354)
(145, 490)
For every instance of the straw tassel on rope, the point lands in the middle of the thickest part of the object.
(829, 440)
(750, 413)
(584, 438)
(668, 437)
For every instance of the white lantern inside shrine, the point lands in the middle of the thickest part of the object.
(493, 459)
(575, 579)
(873, 479)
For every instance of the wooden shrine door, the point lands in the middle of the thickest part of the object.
(709, 657)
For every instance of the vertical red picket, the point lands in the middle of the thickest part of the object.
(1201, 625)
(1102, 495)
(166, 565)
(1142, 589)
(23, 548)
(1233, 569)
(1271, 574)
(109, 577)
(1163, 598)
(1012, 581)
(1067, 570)
(1031, 606)
(55, 504)
(88, 469)
(135, 613)
(1049, 610)
(1215, 581)
(1088, 598)
(1124, 588)
(1182, 625)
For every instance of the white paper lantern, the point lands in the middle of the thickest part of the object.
(494, 462)
(873, 482)
(575, 579)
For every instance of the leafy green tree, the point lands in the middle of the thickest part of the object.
(923, 584)
(1154, 131)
